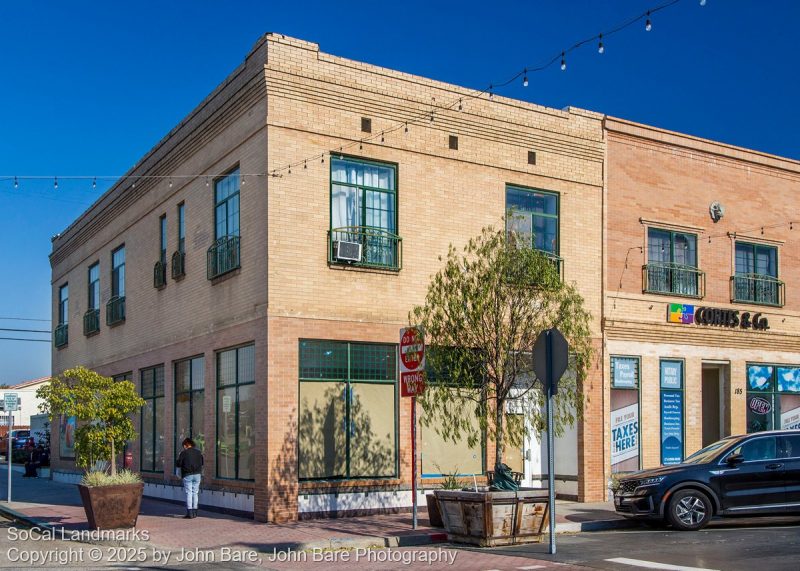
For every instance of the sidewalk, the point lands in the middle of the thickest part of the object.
(46, 503)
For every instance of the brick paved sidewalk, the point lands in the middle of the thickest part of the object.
(59, 504)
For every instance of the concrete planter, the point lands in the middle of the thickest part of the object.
(112, 507)
(489, 519)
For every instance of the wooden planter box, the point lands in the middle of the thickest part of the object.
(434, 515)
(489, 519)
(112, 507)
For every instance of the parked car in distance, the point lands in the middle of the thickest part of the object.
(753, 474)
(18, 440)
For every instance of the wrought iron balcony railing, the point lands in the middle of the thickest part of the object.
(365, 246)
(178, 265)
(223, 256)
(673, 279)
(115, 310)
(757, 288)
(159, 275)
(61, 335)
(91, 322)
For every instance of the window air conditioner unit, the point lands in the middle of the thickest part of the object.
(347, 251)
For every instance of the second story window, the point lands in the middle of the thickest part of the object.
(179, 256)
(115, 308)
(672, 264)
(223, 256)
(756, 276)
(533, 216)
(160, 269)
(364, 214)
(91, 319)
(60, 337)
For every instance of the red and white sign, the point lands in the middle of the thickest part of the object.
(412, 361)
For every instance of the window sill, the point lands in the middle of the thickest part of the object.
(343, 266)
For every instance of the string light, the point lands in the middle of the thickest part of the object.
(491, 95)
(305, 164)
(525, 78)
(94, 183)
(702, 2)
(207, 183)
(600, 47)
(55, 183)
(360, 146)
(382, 140)
(648, 25)
(244, 180)
(563, 61)
(406, 129)
(459, 105)
(16, 183)
(170, 183)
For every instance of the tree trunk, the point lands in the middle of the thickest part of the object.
(113, 459)
(500, 436)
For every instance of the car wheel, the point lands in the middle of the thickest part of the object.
(689, 510)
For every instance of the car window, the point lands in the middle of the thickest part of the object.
(757, 449)
(789, 446)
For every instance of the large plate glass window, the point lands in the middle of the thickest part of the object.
(773, 397)
(672, 263)
(189, 390)
(625, 438)
(533, 216)
(236, 413)
(672, 411)
(348, 410)
(152, 419)
(364, 208)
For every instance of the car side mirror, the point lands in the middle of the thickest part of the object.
(734, 459)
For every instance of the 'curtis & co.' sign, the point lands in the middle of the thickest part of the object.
(714, 316)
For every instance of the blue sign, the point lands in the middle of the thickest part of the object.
(671, 427)
(625, 369)
(672, 375)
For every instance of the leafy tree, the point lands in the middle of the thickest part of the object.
(482, 314)
(101, 405)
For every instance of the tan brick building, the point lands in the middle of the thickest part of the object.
(701, 311)
(266, 346)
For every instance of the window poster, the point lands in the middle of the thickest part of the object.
(671, 412)
(759, 378)
(789, 379)
(624, 414)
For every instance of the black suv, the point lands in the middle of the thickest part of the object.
(755, 474)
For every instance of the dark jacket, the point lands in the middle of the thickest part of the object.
(190, 461)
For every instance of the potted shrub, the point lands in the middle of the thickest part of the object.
(102, 408)
(482, 314)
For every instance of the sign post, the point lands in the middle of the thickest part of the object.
(10, 404)
(412, 383)
(550, 361)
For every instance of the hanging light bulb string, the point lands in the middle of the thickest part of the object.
(426, 116)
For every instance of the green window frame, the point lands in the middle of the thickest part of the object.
(348, 399)
(93, 291)
(182, 227)
(151, 451)
(118, 272)
(189, 381)
(226, 205)
(755, 278)
(123, 377)
(235, 370)
(672, 263)
(364, 209)
(63, 304)
(534, 214)
(162, 229)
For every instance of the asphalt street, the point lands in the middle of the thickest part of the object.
(763, 544)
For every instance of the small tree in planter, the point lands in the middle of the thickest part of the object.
(482, 314)
(102, 408)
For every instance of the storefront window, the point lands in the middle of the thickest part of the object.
(348, 410)
(773, 397)
(625, 443)
(671, 411)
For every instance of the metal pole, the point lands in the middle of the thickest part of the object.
(414, 461)
(551, 446)
(9, 452)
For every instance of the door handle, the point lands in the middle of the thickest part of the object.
(774, 466)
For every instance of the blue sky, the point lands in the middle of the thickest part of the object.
(89, 87)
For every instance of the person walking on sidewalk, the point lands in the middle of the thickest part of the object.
(190, 463)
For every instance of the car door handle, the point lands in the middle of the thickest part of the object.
(774, 466)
